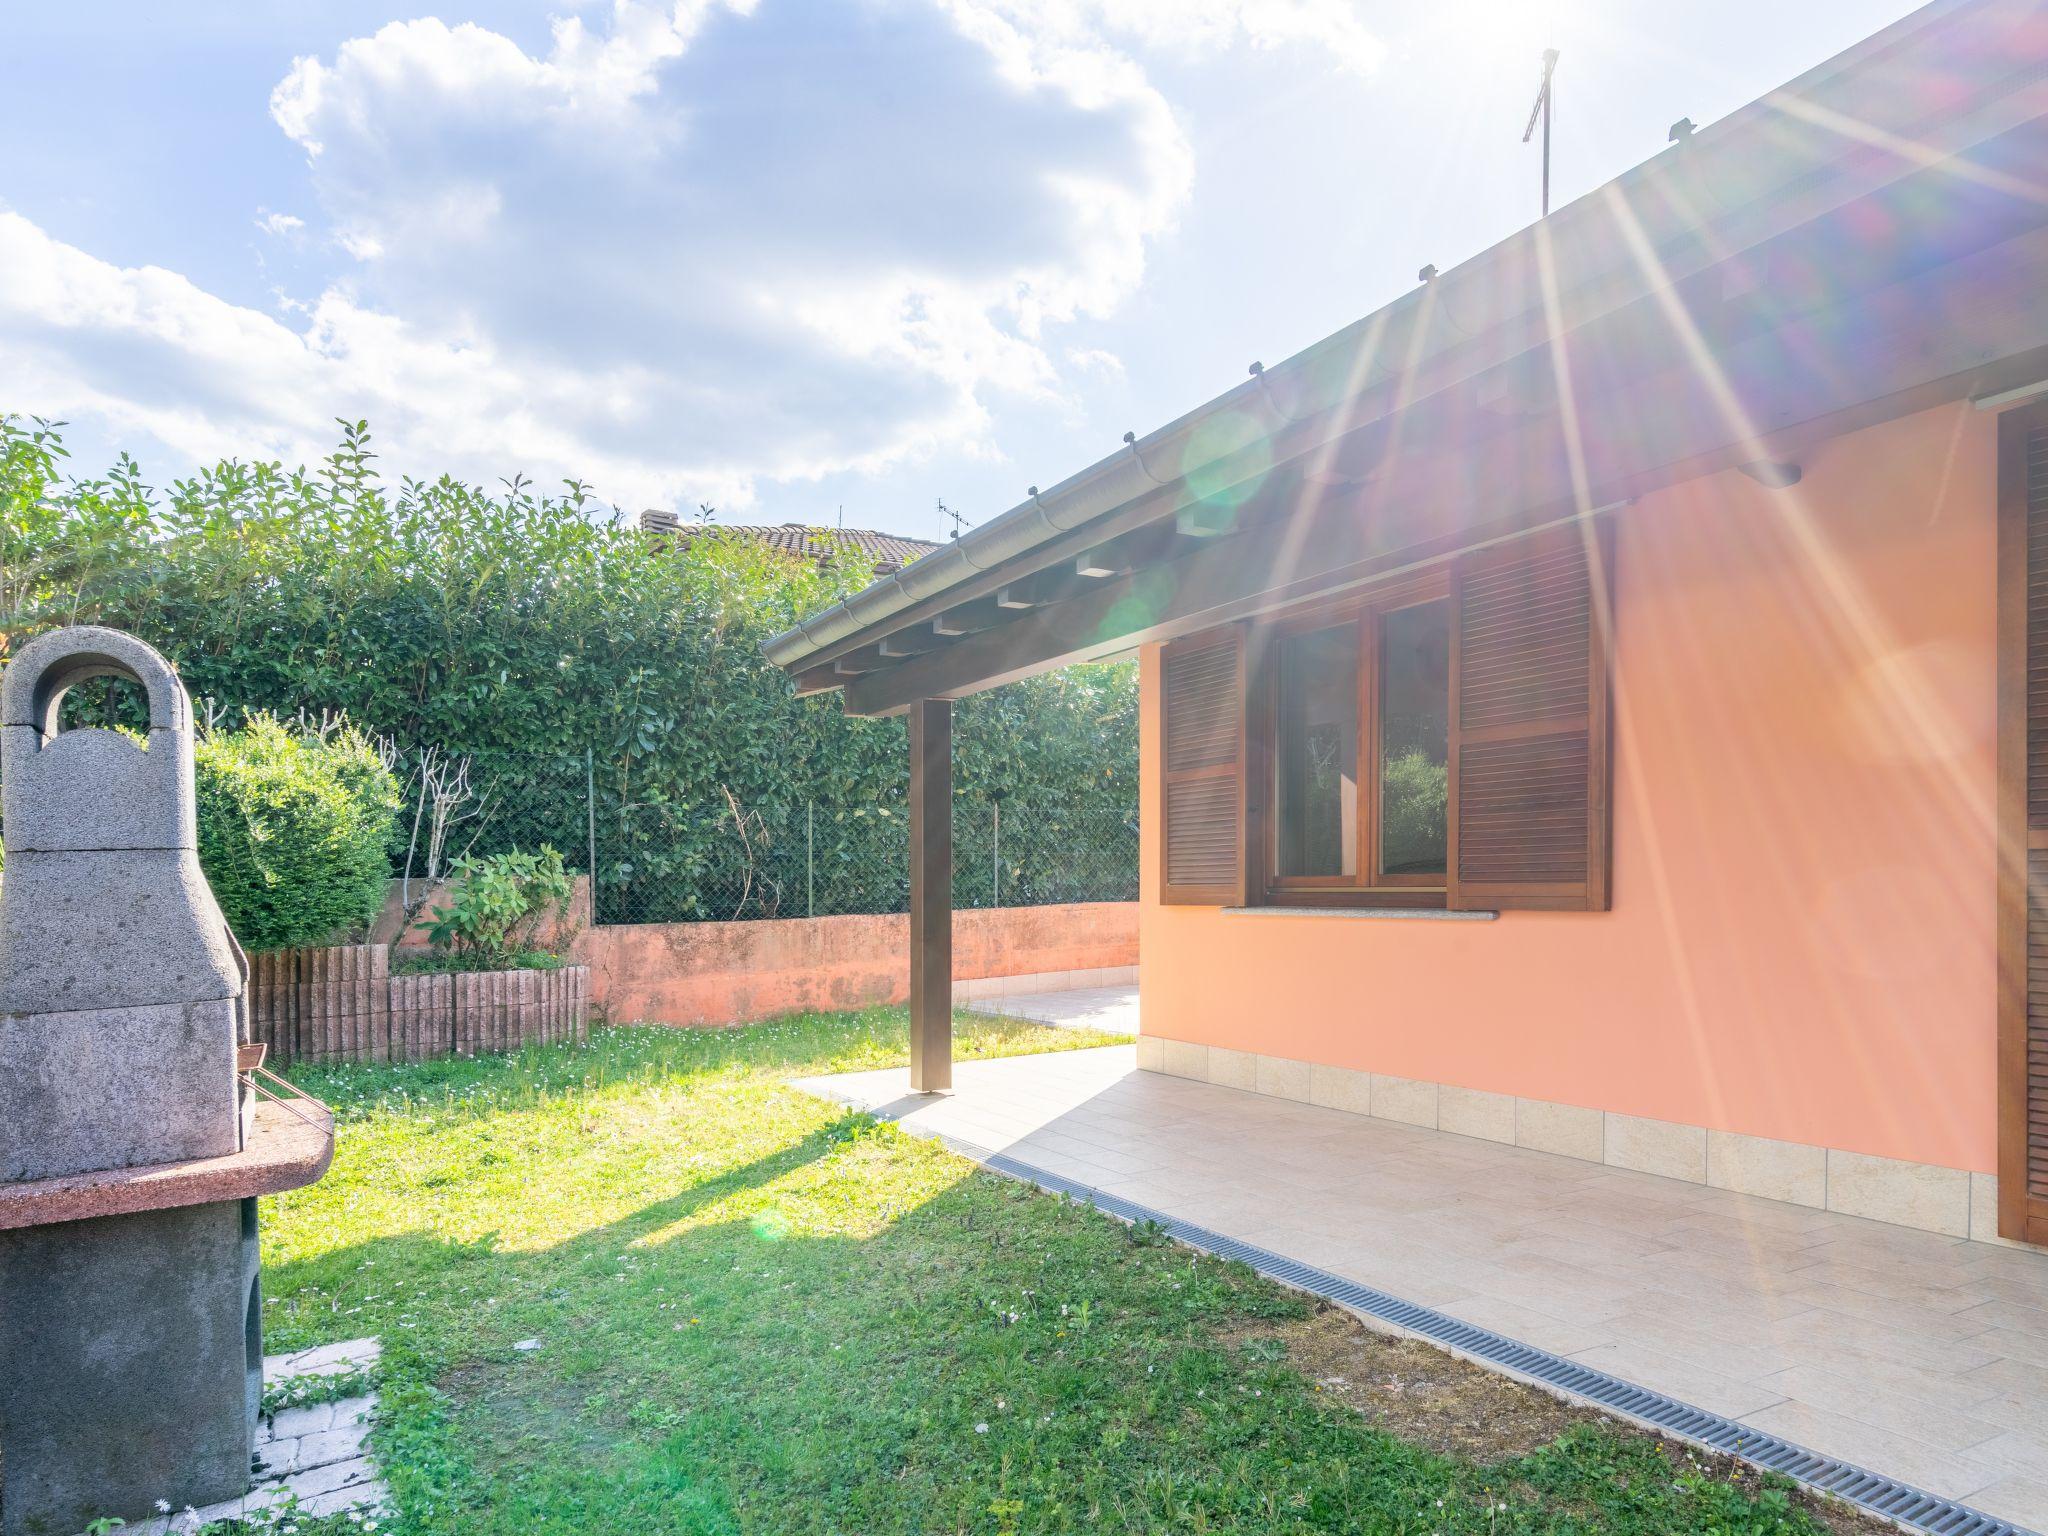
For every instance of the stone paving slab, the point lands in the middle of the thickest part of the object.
(323, 1360)
(316, 1453)
(1914, 1355)
(1113, 1010)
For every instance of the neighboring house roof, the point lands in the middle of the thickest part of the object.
(890, 552)
(1872, 236)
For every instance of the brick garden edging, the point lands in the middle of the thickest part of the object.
(343, 1004)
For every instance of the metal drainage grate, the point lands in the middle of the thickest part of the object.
(1886, 1496)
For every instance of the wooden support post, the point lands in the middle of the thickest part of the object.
(931, 896)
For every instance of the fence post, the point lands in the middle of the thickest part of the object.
(590, 827)
(810, 859)
(995, 885)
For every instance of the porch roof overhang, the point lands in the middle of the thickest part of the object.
(1867, 241)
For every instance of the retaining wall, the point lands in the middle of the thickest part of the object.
(343, 1004)
(728, 973)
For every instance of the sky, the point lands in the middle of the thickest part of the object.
(809, 261)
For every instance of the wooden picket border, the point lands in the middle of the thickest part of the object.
(344, 1004)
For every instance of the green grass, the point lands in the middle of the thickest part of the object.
(758, 1313)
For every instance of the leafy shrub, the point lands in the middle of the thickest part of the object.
(295, 831)
(498, 902)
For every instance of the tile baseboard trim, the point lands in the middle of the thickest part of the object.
(1954, 1202)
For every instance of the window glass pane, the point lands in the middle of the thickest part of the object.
(1317, 812)
(1415, 713)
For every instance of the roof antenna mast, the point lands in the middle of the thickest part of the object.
(1542, 110)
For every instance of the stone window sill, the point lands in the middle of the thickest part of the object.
(1405, 914)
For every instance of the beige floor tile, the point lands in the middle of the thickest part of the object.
(2029, 1290)
(2011, 1406)
(2013, 1345)
(1923, 1323)
(1713, 1307)
(1897, 1282)
(2018, 1380)
(1730, 1354)
(2014, 1453)
(2009, 1315)
(2022, 1500)
(1901, 1456)
(1845, 1341)
(1904, 1410)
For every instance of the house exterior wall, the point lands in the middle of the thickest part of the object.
(1802, 941)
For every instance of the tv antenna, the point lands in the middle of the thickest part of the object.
(1542, 110)
(957, 519)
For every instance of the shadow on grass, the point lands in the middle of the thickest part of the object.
(852, 1344)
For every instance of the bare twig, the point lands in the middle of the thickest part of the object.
(444, 800)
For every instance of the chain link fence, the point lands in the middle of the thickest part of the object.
(662, 862)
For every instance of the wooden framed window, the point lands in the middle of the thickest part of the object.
(1354, 715)
(1439, 740)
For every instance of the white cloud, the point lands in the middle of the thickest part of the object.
(686, 249)
(1207, 26)
(151, 354)
(1095, 360)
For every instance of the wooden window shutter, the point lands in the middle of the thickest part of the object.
(1203, 705)
(1529, 737)
(2023, 824)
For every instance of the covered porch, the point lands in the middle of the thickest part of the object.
(1917, 1358)
(1478, 448)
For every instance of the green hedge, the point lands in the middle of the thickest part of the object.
(294, 832)
(521, 628)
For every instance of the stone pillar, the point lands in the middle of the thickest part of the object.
(130, 1345)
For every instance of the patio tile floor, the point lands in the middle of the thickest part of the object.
(1114, 1010)
(1921, 1357)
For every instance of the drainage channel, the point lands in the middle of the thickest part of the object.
(1885, 1496)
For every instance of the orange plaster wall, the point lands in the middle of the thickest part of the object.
(728, 973)
(1802, 942)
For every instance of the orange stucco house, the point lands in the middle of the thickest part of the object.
(1599, 701)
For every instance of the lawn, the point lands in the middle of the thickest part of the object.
(642, 1286)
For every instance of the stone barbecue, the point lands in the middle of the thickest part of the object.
(136, 1127)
